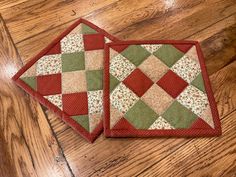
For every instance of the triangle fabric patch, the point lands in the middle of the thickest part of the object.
(67, 77)
(200, 124)
(55, 49)
(160, 87)
(123, 124)
(183, 47)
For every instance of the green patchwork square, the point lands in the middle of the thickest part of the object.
(94, 79)
(199, 83)
(168, 54)
(83, 120)
(30, 81)
(87, 30)
(141, 116)
(113, 82)
(136, 54)
(179, 116)
(73, 61)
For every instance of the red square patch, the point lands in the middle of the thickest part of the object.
(172, 84)
(93, 41)
(49, 84)
(138, 82)
(75, 103)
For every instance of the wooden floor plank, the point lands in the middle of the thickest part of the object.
(174, 23)
(39, 15)
(202, 157)
(7, 4)
(32, 148)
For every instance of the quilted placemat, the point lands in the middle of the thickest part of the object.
(158, 88)
(67, 77)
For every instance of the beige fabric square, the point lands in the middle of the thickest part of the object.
(30, 72)
(157, 99)
(74, 82)
(94, 120)
(192, 53)
(94, 59)
(153, 68)
(77, 30)
(115, 116)
(113, 53)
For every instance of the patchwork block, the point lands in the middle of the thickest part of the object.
(50, 64)
(67, 77)
(157, 88)
(95, 101)
(73, 62)
(138, 82)
(172, 84)
(153, 68)
(157, 99)
(160, 123)
(94, 79)
(49, 84)
(123, 98)
(187, 68)
(55, 99)
(75, 103)
(136, 54)
(89, 43)
(72, 43)
(94, 59)
(120, 67)
(168, 54)
(73, 82)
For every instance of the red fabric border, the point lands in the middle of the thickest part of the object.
(66, 118)
(150, 133)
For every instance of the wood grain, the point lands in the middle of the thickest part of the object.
(39, 15)
(202, 157)
(33, 24)
(29, 144)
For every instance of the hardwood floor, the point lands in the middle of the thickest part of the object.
(34, 142)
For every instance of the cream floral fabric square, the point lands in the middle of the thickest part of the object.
(72, 43)
(120, 67)
(160, 123)
(55, 99)
(95, 101)
(193, 99)
(49, 64)
(123, 98)
(187, 68)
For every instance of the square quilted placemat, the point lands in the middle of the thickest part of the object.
(67, 77)
(158, 88)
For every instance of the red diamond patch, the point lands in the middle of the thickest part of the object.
(49, 84)
(172, 84)
(138, 82)
(75, 103)
(93, 41)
